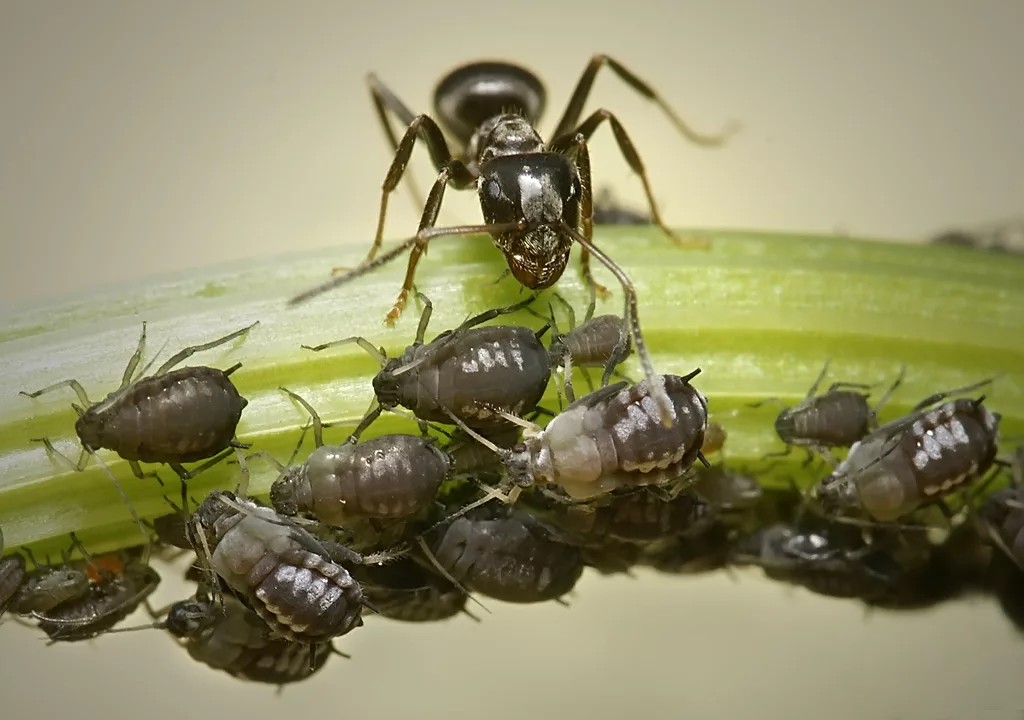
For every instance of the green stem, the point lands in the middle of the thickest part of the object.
(759, 313)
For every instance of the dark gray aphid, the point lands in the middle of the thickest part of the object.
(508, 556)
(12, 576)
(388, 477)
(470, 458)
(292, 580)
(119, 583)
(837, 418)
(170, 417)
(917, 459)
(727, 490)
(233, 638)
(609, 439)
(601, 341)
(471, 371)
(1003, 513)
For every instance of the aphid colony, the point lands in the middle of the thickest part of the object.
(483, 500)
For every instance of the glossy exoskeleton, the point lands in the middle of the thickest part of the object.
(387, 477)
(507, 555)
(914, 460)
(170, 417)
(535, 197)
(471, 371)
(292, 580)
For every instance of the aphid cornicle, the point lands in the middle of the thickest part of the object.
(612, 438)
(535, 197)
(285, 574)
(170, 417)
(507, 555)
(472, 371)
(387, 477)
(837, 418)
(122, 581)
(233, 638)
(914, 460)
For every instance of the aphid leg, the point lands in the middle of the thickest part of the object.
(83, 458)
(570, 394)
(188, 352)
(632, 157)
(428, 310)
(432, 559)
(493, 313)
(538, 411)
(932, 399)
(368, 419)
(133, 361)
(138, 472)
(656, 383)
(73, 384)
(821, 376)
(318, 426)
(618, 355)
(124, 498)
(384, 101)
(574, 108)
(189, 474)
(769, 401)
(242, 489)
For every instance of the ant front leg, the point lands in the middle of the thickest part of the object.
(454, 171)
(632, 157)
(577, 146)
(385, 101)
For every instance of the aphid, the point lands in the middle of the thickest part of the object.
(691, 554)
(535, 197)
(407, 592)
(470, 458)
(233, 638)
(292, 580)
(12, 575)
(609, 211)
(1003, 513)
(508, 556)
(121, 582)
(387, 477)
(47, 586)
(608, 439)
(170, 417)
(472, 371)
(727, 490)
(835, 419)
(914, 460)
(639, 515)
(601, 341)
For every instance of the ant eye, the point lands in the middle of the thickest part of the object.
(493, 189)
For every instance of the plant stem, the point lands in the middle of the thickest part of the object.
(759, 313)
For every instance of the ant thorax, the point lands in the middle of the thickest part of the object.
(507, 134)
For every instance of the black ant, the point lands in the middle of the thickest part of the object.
(535, 197)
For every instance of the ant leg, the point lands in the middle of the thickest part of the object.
(385, 101)
(188, 352)
(83, 458)
(629, 152)
(454, 171)
(73, 384)
(579, 97)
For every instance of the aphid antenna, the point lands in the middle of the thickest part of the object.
(892, 389)
(432, 559)
(937, 397)
(631, 315)
(425, 423)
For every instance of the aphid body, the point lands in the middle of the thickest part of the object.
(1003, 513)
(509, 557)
(233, 638)
(12, 575)
(387, 477)
(407, 592)
(640, 515)
(614, 438)
(44, 588)
(279, 569)
(916, 459)
(727, 490)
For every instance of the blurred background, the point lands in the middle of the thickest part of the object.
(141, 138)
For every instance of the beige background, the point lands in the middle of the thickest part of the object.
(143, 137)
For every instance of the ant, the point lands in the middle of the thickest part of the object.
(535, 197)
